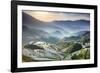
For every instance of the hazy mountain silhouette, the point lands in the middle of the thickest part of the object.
(34, 29)
(80, 35)
(28, 19)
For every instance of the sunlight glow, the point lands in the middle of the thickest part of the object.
(56, 16)
(43, 16)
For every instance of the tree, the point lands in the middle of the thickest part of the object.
(74, 47)
(82, 54)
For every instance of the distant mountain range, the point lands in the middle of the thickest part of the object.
(34, 29)
(81, 33)
(27, 19)
(81, 36)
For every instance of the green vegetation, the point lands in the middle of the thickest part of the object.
(81, 54)
(74, 47)
(30, 46)
(68, 51)
(26, 59)
(62, 50)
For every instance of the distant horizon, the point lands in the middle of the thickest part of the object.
(57, 16)
(60, 20)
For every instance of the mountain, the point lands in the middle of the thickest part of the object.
(72, 38)
(50, 39)
(77, 22)
(27, 19)
(42, 51)
(85, 38)
(34, 29)
(30, 22)
(36, 45)
(56, 34)
(42, 41)
(51, 32)
(33, 34)
(75, 26)
(29, 28)
(81, 33)
(81, 36)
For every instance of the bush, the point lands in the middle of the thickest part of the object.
(74, 47)
(32, 47)
(82, 54)
(26, 59)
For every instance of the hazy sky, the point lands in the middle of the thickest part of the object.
(54, 16)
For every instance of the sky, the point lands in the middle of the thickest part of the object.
(55, 16)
